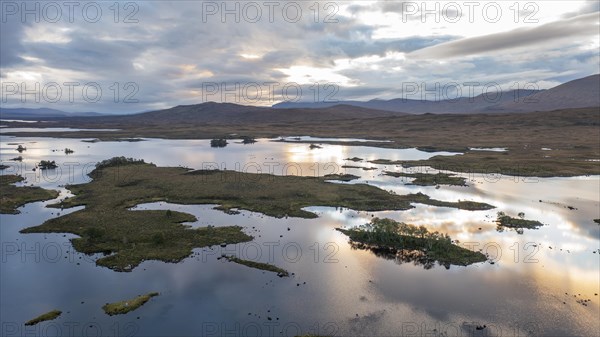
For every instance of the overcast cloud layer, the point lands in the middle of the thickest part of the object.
(160, 54)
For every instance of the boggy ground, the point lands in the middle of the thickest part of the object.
(106, 225)
(572, 135)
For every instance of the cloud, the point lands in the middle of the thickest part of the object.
(12, 34)
(577, 27)
(590, 6)
(172, 51)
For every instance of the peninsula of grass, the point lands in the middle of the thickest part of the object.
(354, 159)
(395, 238)
(44, 317)
(504, 220)
(12, 197)
(127, 238)
(425, 179)
(259, 265)
(123, 307)
(536, 165)
(4, 167)
(461, 204)
(597, 221)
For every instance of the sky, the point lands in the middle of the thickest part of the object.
(132, 56)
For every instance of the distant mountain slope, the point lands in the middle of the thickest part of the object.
(580, 93)
(212, 112)
(18, 113)
(480, 103)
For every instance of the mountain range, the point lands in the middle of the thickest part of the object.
(17, 113)
(229, 113)
(580, 93)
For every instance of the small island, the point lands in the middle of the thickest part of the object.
(51, 315)
(3, 167)
(359, 167)
(354, 159)
(47, 165)
(129, 140)
(248, 140)
(68, 151)
(404, 242)
(385, 162)
(123, 307)
(314, 146)
(258, 265)
(518, 224)
(218, 142)
(21, 148)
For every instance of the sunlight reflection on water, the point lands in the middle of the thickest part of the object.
(525, 284)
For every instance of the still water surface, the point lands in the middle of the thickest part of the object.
(335, 290)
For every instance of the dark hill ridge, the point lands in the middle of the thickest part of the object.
(229, 113)
(580, 93)
(212, 113)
